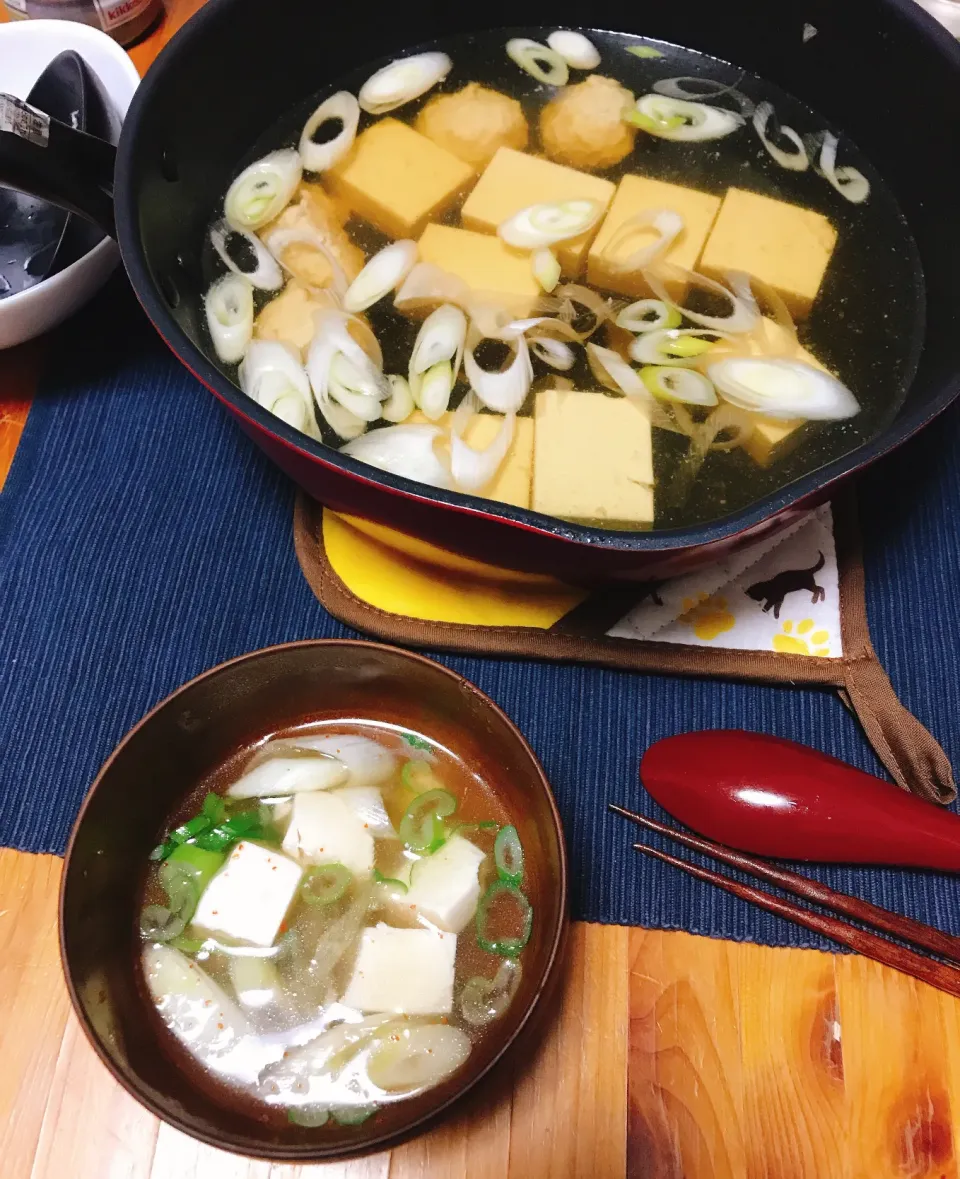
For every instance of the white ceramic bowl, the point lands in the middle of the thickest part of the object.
(26, 48)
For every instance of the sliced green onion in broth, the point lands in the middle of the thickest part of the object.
(508, 855)
(422, 828)
(325, 884)
(499, 895)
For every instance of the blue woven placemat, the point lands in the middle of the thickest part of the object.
(143, 538)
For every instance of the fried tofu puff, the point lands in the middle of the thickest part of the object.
(290, 316)
(474, 123)
(584, 126)
(316, 211)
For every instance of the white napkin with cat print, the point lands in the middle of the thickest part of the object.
(780, 594)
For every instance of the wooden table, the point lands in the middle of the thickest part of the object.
(672, 1057)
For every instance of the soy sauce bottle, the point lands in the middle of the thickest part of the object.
(124, 20)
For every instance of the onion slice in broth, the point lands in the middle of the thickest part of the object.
(575, 49)
(228, 306)
(279, 776)
(782, 389)
(355, 389)
(540, 61)
(417, 1056)
(342, 422)
(681, 120)
(796, 160)
(272, 375)
(613, 372)
(266, 275)
(670, 383)
(318, 157)
(545, 268)
(554, 353)
(400, 404)
(435, 360)
(703, 90)
(408, 451)
(565, 299)
(504, 391)
(368, 762)
(333, 336)
(262, 191)
(549, 222)
(197, 1010)
(441, 337)
(385, 271)
(483, 1000)
(648, 315)
(849, 182)
(402, 81)
(665, 223)
(744, 312)
(473, 469)
(678, 347)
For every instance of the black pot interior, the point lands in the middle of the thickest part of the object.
(880, 69)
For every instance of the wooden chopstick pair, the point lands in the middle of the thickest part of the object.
(942, 975)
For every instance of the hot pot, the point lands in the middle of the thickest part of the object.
(881, 69)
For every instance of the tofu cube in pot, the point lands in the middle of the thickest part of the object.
(513, 180)
(484, 263)
(593, 459)
(407, 971)
(397, 179)
(784, 245)
(325, 830)
(636, 194)
(445, 887)
(250, 895)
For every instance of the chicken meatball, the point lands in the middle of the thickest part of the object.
(474, 123)
(584, 126)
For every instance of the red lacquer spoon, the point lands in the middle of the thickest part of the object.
(773, 797)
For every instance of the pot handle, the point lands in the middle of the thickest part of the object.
(46, 158)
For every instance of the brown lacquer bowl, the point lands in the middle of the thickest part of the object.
(177, 745)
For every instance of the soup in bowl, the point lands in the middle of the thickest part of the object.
(312, 899)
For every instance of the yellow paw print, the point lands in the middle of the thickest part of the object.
(802, 641)
(708, 616)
